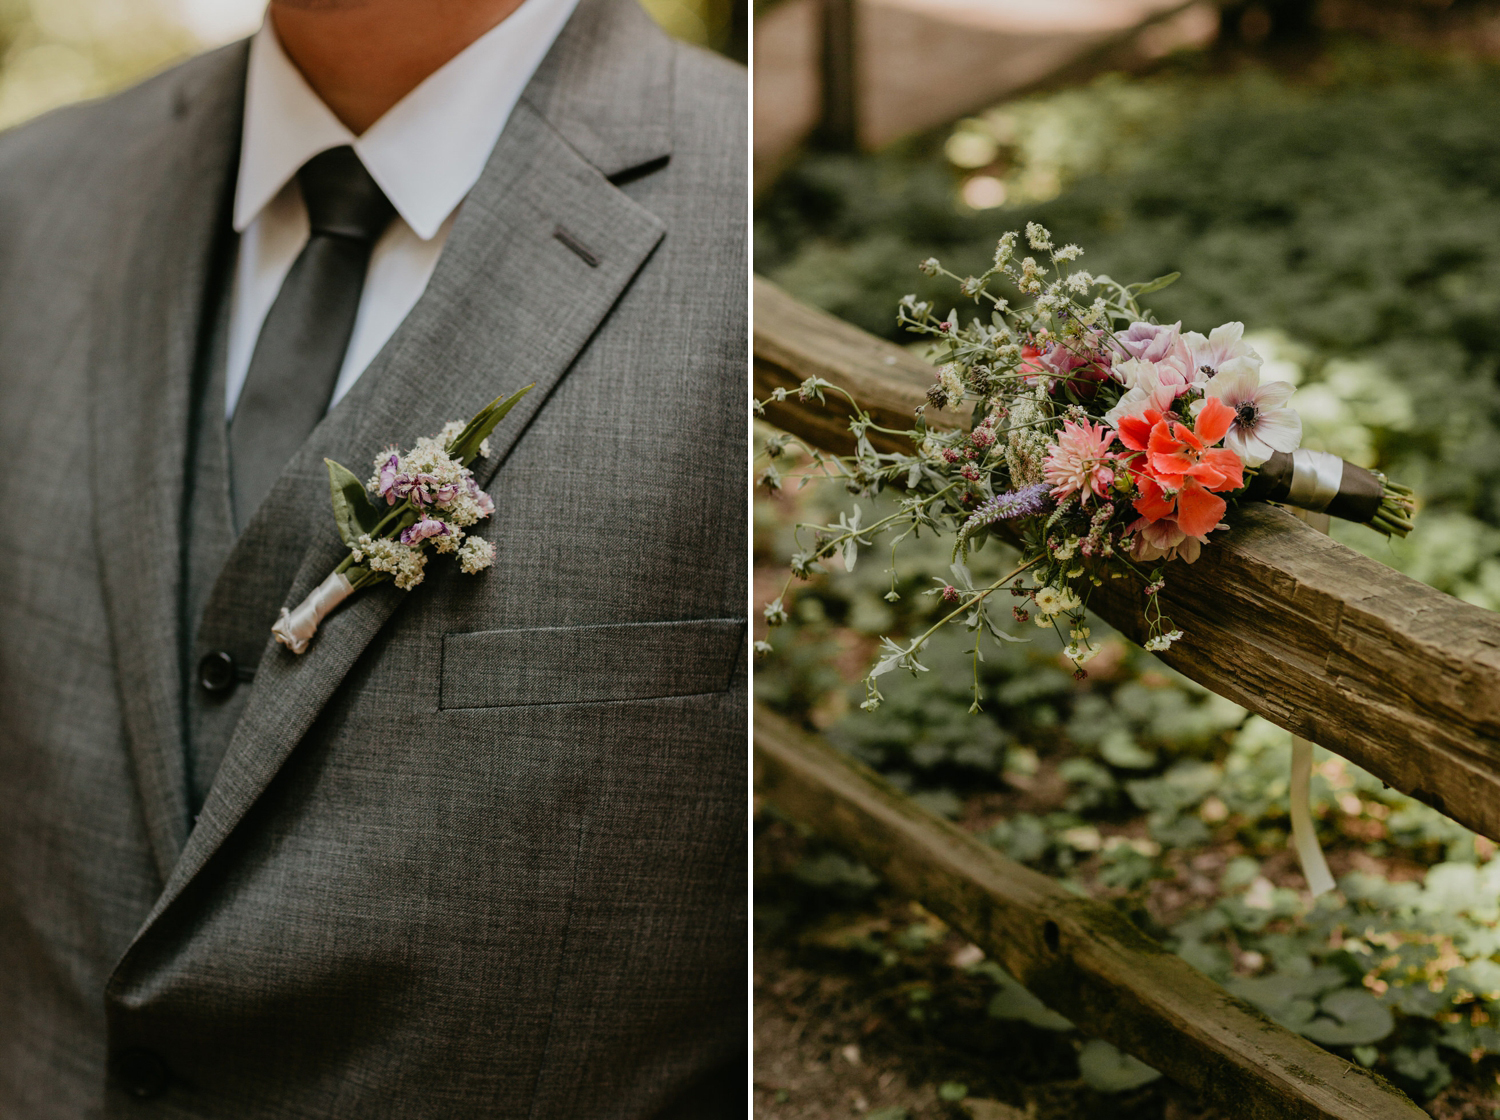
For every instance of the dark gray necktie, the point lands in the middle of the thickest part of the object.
(297, 357)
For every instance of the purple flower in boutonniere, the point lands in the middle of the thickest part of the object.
(432, 478)
(482, 501)
(424, 530)
(386, 478)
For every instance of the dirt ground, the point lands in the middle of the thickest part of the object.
(848, 1027)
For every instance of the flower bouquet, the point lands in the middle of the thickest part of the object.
(420, 500)
(1102, 442)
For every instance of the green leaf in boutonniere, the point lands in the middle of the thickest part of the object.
(469, 443)
(353, 511)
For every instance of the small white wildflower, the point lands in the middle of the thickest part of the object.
(1079, 282)
(1030, 279)
(449, 541)
(476, 555)
(1048, 601)
(1066, 550)
(952, 384)
(1163, 641)
(1068, 600)
(450, 432)
(1080, 654)
(1005, 249)
(1038, 237)
(401, 561)
(462, 510)
(1069, 252)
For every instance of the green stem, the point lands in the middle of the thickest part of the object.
(979, 597)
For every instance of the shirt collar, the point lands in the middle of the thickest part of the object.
(426, 152)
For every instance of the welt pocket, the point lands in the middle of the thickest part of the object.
(589, 664)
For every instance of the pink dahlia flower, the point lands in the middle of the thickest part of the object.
(1080, 461)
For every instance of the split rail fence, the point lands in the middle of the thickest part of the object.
(1397, 677)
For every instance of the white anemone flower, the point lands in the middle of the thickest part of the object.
(1223, 351)
(1262, 422)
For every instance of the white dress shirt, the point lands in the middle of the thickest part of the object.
(426, 153)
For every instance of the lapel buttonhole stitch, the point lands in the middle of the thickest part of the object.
(588, 256)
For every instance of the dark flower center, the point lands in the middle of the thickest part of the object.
(1246, 415)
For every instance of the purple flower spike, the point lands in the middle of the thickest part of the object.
(423, 529)
(1025, 502)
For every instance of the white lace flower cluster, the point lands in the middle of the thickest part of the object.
(402, 562)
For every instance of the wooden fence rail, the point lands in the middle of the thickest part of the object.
(1080, 957)
(1332, 646)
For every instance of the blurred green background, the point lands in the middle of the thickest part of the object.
(53, 52)
(1330, 175)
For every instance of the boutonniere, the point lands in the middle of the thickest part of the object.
(418, 501)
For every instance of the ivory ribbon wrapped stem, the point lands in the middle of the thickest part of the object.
(296, 627)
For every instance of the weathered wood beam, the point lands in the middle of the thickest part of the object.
(1080, 957)
(1393, 675)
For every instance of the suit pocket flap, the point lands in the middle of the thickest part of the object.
(589, 664)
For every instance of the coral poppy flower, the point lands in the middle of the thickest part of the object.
(1180, 472)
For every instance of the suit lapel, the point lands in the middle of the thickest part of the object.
(542, 249)
(174, 196)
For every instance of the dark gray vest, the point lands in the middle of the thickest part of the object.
(233, 584)
(220, 652)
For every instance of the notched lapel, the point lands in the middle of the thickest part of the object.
(509, 304)
(173, 197)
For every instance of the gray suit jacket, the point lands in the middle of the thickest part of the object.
(480, 851)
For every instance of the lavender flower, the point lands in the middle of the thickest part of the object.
(1025, 502)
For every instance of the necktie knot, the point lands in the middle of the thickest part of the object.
(342, 199)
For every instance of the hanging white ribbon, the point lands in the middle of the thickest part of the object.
(1299, 795)
(1304, 835)
(296, 627)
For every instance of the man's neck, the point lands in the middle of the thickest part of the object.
(363, 56)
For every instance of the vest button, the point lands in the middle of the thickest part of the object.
(142, 1073)
(217, 672)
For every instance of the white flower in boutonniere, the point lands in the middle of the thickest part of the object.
(430, 498)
